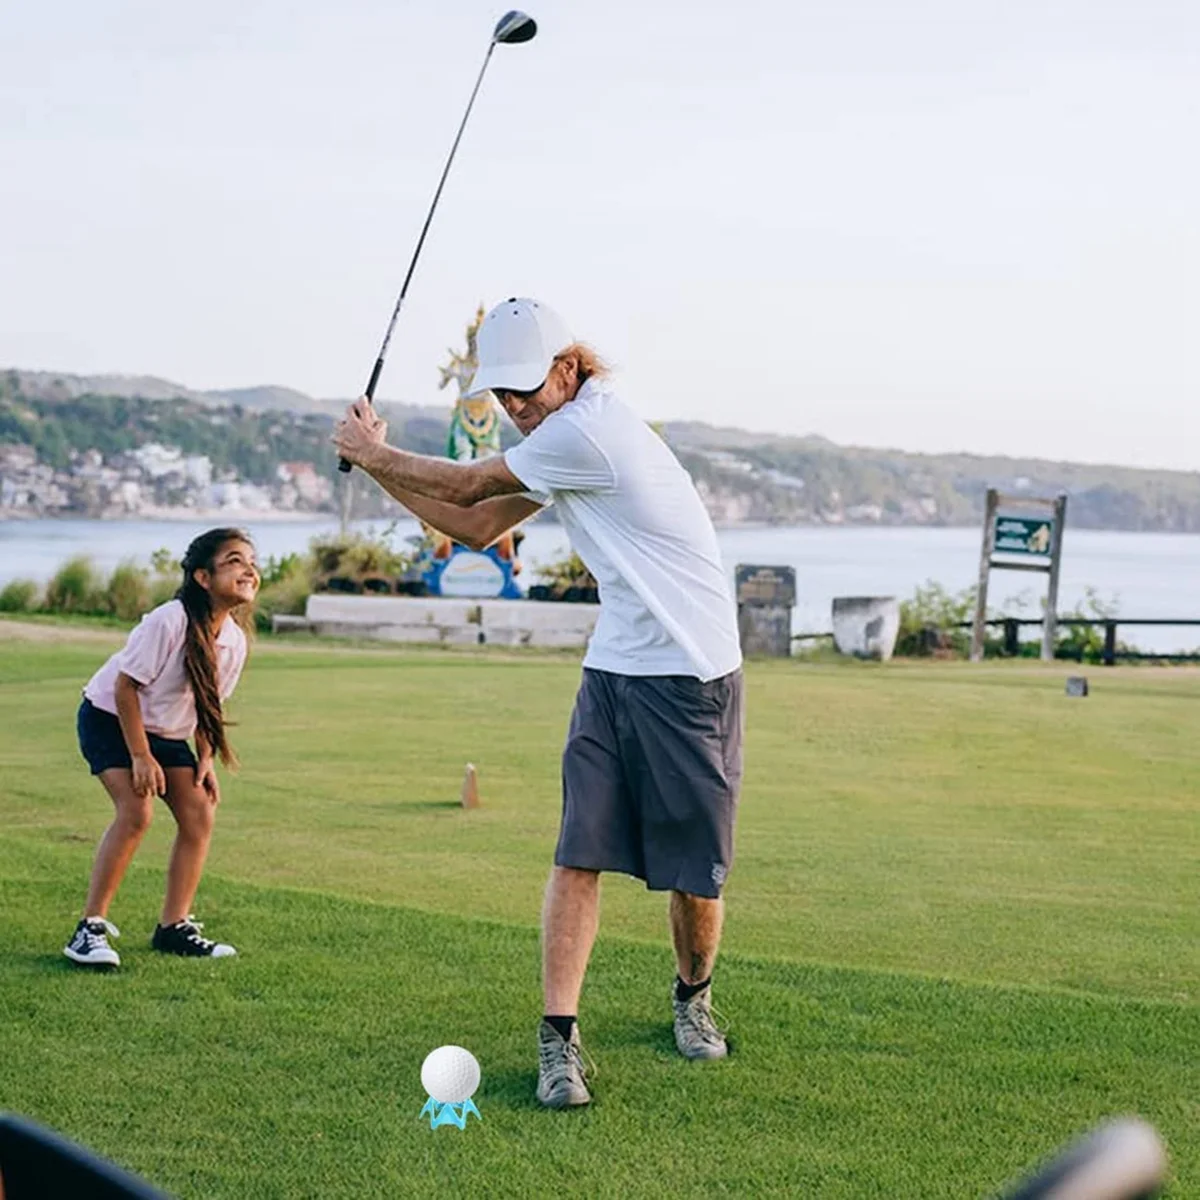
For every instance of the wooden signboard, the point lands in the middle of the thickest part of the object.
(1028, 537)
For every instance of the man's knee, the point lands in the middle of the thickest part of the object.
(578, 878)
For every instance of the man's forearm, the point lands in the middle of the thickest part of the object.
(457, 523)
(478, 526)
(449, 483)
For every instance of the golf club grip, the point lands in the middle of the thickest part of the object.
(1124, 1160)
(343, 464)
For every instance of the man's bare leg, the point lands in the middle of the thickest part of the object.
(696, 929)
(569, 921)
(696, 923)
(570, 918)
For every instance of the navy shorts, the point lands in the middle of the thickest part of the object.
(651, 775)
(102, 743)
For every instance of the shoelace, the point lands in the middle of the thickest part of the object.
(555, 1060)
(91, 939)
(590, 1067)
(190, 928)
(707, 1018)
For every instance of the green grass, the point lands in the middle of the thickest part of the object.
(963, 926)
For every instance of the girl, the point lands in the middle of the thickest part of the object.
(168, 683)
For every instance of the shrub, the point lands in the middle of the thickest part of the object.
(566, 572)
(566, 579)
(165, 575)
(356, 557)
(75, 588)
(274, 570)
(20, 595)
(128, 592)
(1085, 643)
(287, 583)
(929, 620)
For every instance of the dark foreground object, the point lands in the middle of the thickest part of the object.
(36, 1164)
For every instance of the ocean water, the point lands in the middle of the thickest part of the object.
(1139, 574)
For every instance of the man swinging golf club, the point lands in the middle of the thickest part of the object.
(653, 759)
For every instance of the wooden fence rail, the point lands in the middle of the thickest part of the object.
(1110, 625)
(1110, 655)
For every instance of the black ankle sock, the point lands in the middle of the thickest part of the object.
(685, 991)
(562, 1024)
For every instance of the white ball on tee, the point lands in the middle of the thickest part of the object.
(450, 1074)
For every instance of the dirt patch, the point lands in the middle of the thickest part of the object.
(36, 631)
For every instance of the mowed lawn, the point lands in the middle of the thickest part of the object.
(963, 925)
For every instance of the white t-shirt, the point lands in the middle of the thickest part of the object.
(635, 518)
(153, 656)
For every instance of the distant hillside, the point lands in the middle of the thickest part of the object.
(744, 477)
(55, 386)
(754, 477)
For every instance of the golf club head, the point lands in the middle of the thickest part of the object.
(1122, 1160)
(514, 27)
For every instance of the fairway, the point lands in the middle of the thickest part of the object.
(962, 926)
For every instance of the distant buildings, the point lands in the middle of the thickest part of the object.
(153, 480)
(737, 490)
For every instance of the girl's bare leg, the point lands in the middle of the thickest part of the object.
(194, 811)
(120, 840)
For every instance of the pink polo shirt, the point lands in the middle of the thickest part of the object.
(153, 656)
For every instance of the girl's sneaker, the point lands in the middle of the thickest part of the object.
(89, 944)
(184, 938)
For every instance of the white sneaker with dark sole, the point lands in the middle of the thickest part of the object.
(89, 943)
(697, 1035)
(562, 1076)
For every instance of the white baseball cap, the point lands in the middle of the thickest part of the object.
(516, 345)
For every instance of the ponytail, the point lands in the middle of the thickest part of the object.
(200, 651)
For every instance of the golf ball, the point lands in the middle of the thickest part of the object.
(450, 1074)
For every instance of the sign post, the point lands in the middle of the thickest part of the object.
(765, 598)
(1029, 538)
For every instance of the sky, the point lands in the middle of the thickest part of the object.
(936, 225)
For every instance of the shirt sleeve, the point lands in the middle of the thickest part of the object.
(152, 643)
(560, 456)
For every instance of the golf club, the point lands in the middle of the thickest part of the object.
(513, 27)
(1122, 1160)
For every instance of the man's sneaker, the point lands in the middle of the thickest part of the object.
(184, 938)
(89, 943)
(696, 1033)
(562, 1077)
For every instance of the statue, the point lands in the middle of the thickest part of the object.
(475, 424)
(474, 434)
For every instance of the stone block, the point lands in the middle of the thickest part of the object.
(866, 626)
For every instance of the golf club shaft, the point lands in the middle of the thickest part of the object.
(343, 464)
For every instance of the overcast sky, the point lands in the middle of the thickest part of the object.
(931, 224)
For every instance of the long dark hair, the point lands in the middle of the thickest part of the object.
(200, 652)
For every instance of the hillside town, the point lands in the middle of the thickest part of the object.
(151, 480)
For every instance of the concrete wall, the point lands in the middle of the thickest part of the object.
(451, 622)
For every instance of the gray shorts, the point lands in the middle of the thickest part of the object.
(651, 774)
